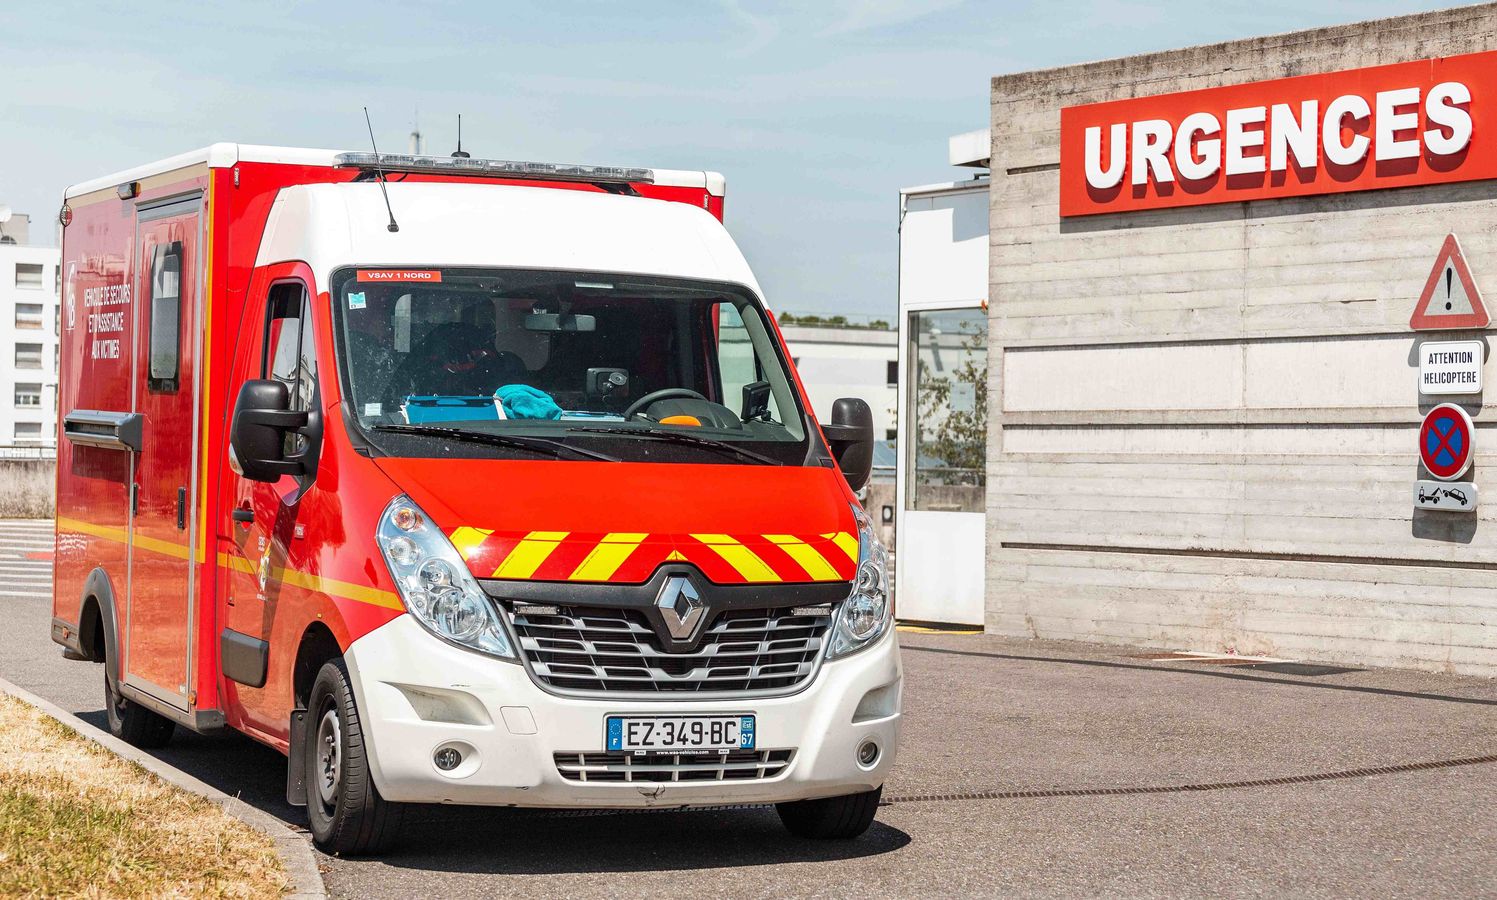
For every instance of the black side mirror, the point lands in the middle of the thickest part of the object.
(851, 437)
(257, 436)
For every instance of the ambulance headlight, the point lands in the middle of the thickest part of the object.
(435, 584)
(865, 614)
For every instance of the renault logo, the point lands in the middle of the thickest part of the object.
(680, 606)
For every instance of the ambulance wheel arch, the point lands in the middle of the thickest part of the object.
(317, 647)
(96, 618)
(99, 641)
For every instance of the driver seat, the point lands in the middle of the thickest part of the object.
(458, 361)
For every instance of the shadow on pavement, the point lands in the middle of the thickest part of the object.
(531, 842)
(517, 841)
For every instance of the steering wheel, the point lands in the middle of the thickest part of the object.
(656, 396)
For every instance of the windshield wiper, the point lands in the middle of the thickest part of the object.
(676, 437)
(533, 444)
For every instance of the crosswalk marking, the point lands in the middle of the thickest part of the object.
(26, 559)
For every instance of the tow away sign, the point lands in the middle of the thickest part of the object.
(1450, 367)
(1459, 496)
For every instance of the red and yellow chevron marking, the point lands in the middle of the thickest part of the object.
(632, 557)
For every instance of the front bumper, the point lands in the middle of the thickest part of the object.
(417, 695)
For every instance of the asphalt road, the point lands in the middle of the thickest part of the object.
(1082, 770)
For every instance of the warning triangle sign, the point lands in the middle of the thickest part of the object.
(1450, 299)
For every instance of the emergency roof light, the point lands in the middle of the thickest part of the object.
(494, 168)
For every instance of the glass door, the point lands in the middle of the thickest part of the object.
(941, 540)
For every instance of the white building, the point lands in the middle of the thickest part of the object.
(29, 288)
(848, 362)
(943, 327)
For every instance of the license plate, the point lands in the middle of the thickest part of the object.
(680, 734)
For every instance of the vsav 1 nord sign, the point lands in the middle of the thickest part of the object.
(1427, 122)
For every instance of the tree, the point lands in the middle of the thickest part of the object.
(955, 440)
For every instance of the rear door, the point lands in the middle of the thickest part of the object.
(168, 313)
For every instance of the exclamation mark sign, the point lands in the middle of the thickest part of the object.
(1449, 274)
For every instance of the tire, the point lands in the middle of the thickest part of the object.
(835, 818)
(348, 816)
(131, 722)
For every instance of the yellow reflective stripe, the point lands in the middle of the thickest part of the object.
(745, 561)
(165, 548)
(529, 554)
(235, 563)
(330, 586)
(847, 542)
(119, 535)
(107, 532)
(606, 558)
(805, 556)
(467, 540)
(334, 588)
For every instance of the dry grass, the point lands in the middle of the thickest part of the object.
(77, 821)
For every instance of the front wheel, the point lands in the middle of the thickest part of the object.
(131, 722)
(347, 814)
(839, 818)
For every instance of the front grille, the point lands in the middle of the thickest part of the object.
(604, 650)
(737, 765)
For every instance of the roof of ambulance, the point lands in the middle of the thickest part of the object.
(226, 155)
(498, 226)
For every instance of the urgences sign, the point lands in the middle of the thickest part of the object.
(1391, 126)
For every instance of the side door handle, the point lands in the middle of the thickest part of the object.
(181, 509)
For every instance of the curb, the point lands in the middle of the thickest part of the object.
(296, 853)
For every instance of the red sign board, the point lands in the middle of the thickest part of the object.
(1446, 441)
(428, 275)
(1427, 122)
(1450, 298)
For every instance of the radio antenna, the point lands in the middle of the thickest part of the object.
(459, 151)
(380, 173)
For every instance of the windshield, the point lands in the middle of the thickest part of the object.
(440, 362)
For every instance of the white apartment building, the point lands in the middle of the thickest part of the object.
(29, 323)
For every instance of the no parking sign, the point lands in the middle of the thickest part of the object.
(1446, 442)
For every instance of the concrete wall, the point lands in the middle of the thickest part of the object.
(28, 488)
(1203, 431)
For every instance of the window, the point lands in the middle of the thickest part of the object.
(289, 354)
(28, 432)
(572, 357)
(28, 395)
(29, 276)
(28, 356)
(947, 449)
(893, 372)
(28, 315)
(166, 311)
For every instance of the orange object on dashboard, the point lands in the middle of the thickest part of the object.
(681, 420)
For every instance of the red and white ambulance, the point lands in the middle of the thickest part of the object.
(462, 481)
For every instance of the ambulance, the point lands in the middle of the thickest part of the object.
(462, 481)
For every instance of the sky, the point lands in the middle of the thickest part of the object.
(817, 113)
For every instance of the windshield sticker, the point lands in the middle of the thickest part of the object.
(356, 300)
(374, 409)
(399, 275)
